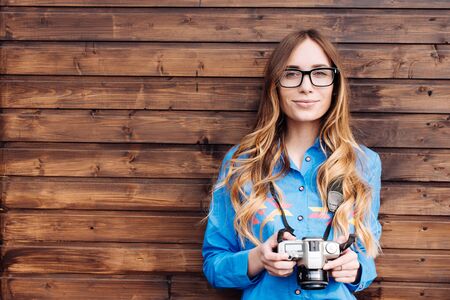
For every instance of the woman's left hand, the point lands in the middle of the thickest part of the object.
(345, 267)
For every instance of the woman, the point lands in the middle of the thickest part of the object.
(302, 144)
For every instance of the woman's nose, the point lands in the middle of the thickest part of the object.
(306, 85)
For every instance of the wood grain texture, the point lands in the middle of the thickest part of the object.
(213, 59)
(174, 93)
(403, 265)
(106, 194)
(104, 227)
(386, 4)
(398, 232)
(115, 116)
(414, 199)
(224, 25)
(94, 288)
(183, 195)
(412, 165)
(181, 288)
(393, 265)
(126, 162)
(84, 258)
(185, 162)
(375, 130)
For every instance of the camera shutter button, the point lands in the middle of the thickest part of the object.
(331, 248)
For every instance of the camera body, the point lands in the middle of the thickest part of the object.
(311, 255)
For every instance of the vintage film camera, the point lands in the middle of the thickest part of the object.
(311, 255)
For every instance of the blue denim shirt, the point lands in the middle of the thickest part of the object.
(226, 261)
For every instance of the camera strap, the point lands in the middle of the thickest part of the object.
(334, 199)
(287, 227)
(326, 234)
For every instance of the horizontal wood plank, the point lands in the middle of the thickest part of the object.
(182, 195)
(412, 165)
(174, 93)
(386, 4)
(75, 288)
(393, 265)
(125, 194)
(414, 199)
(182, 288)
(402, 131)
(101, 259)
(103, 227)
(403, 265)
(223, 25)
(415, 233)
(156, 163)
(375, 130)
(183, 162)
(126, 126)
(216, 59)
(404, 232)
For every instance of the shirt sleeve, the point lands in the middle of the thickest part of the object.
(225, 264)
(369, 273)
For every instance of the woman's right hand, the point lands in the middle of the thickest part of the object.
(264, 257)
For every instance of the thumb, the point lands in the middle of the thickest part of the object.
(272, 241)
(288, 236)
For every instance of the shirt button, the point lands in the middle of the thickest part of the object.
(301, 188)
(308, 158)
(300, 217)
(297, 292)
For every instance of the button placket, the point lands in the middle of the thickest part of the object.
(306, 168)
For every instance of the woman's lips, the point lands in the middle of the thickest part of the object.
(305, 103)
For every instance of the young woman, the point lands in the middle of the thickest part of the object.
(302, 144)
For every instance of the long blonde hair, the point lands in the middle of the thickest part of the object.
(260, 151)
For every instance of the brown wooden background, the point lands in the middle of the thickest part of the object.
(116, 114)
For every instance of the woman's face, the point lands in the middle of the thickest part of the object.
(306, 102)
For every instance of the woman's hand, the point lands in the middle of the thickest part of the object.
(264, 257)
(345, 267)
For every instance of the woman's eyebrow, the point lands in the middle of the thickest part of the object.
(313, 66)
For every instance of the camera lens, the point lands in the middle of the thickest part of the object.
(312, 279)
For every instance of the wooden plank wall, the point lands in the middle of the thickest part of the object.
(116, 114)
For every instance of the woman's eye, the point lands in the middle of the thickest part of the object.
(320, 73)
(291, 74)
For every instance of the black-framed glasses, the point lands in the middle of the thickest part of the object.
(320, 77)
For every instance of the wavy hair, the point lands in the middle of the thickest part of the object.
(260, 151)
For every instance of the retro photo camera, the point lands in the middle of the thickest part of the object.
(311, 255)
